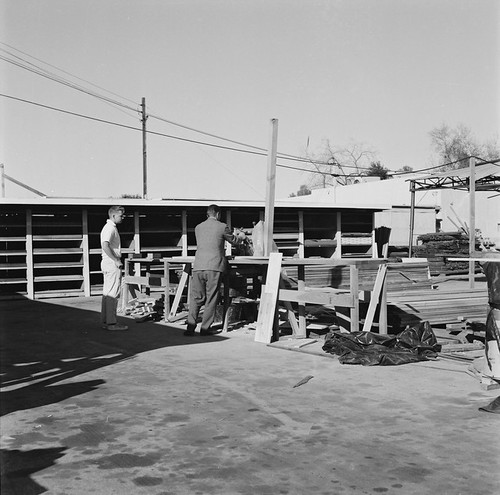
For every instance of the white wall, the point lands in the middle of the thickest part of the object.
(487, 216)
(398, 220)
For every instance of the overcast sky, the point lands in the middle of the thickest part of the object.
(379, 72)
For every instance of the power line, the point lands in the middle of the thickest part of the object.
(59, 69)
(43, 73)
(75, 114)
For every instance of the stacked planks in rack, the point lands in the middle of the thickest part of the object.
(437, 306)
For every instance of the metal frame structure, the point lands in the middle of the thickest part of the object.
(477, 177)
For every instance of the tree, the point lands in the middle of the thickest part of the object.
(335, 165)
(303, 191)
(378, 170)
(454, 146)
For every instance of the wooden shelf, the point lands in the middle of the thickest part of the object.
(13, 239)
(62, 237)
(59, 264)
(159, 249)
(45, 294)
(13, 253)
(57, 278)
(12, 266)
(12, 281)
(57, 250)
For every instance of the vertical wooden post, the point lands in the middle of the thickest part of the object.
(137, 245)
(184, 236)
(144, 153)
(270, 188)
(354, 285)
(412, 218)
(472, 218)
(338, 237)
(86, 253)
(302, 237)
(30, 288)
(228, 222)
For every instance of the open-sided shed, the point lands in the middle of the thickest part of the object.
(482, 177)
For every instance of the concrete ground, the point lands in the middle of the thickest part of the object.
(150, 411)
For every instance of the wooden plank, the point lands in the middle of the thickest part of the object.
(302, 332)
(267, 308)
(324, 298)
(178, 294)
(375, 298)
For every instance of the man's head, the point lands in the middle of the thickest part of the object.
(116, 214)
(213, 211)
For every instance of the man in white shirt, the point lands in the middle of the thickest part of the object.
(111, 266)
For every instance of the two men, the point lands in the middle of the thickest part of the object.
(209, 266)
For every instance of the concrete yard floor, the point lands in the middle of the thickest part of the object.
(149, 411)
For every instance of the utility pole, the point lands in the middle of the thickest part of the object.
(144, 117)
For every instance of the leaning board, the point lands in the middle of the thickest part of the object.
(268, 300)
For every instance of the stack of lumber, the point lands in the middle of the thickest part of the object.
(436, 306)
(400, 276)
(438, 246)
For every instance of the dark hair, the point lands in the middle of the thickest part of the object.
(213, 210)
(115, 209)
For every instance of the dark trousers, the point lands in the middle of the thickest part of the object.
(205, 285)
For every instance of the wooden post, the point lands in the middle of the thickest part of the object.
(229, 224)
(86, 254)
(29, 256)
(472, 218)
(270, 188)
(144, 153)
(412, 218)
(184, 237)
(354, 286)
(338, 237)
(302, 238)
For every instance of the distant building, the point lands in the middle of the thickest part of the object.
(435, 210)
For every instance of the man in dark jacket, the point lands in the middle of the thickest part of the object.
(209, 266)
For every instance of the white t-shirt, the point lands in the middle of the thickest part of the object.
(110, 233)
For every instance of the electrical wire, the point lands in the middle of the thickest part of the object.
(43, 73)
(60, 70)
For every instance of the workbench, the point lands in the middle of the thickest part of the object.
(301, 295)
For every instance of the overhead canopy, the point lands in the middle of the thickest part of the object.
(487, 178)
(482, 177)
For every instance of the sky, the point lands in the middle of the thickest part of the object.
(382, 73)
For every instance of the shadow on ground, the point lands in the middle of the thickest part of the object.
(17, 466)
(43, 343)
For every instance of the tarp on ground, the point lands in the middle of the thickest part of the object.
(416, 343)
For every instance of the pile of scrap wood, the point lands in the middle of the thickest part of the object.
(145, 309)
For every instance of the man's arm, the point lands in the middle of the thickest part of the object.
(233, 238)
(107, 249)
